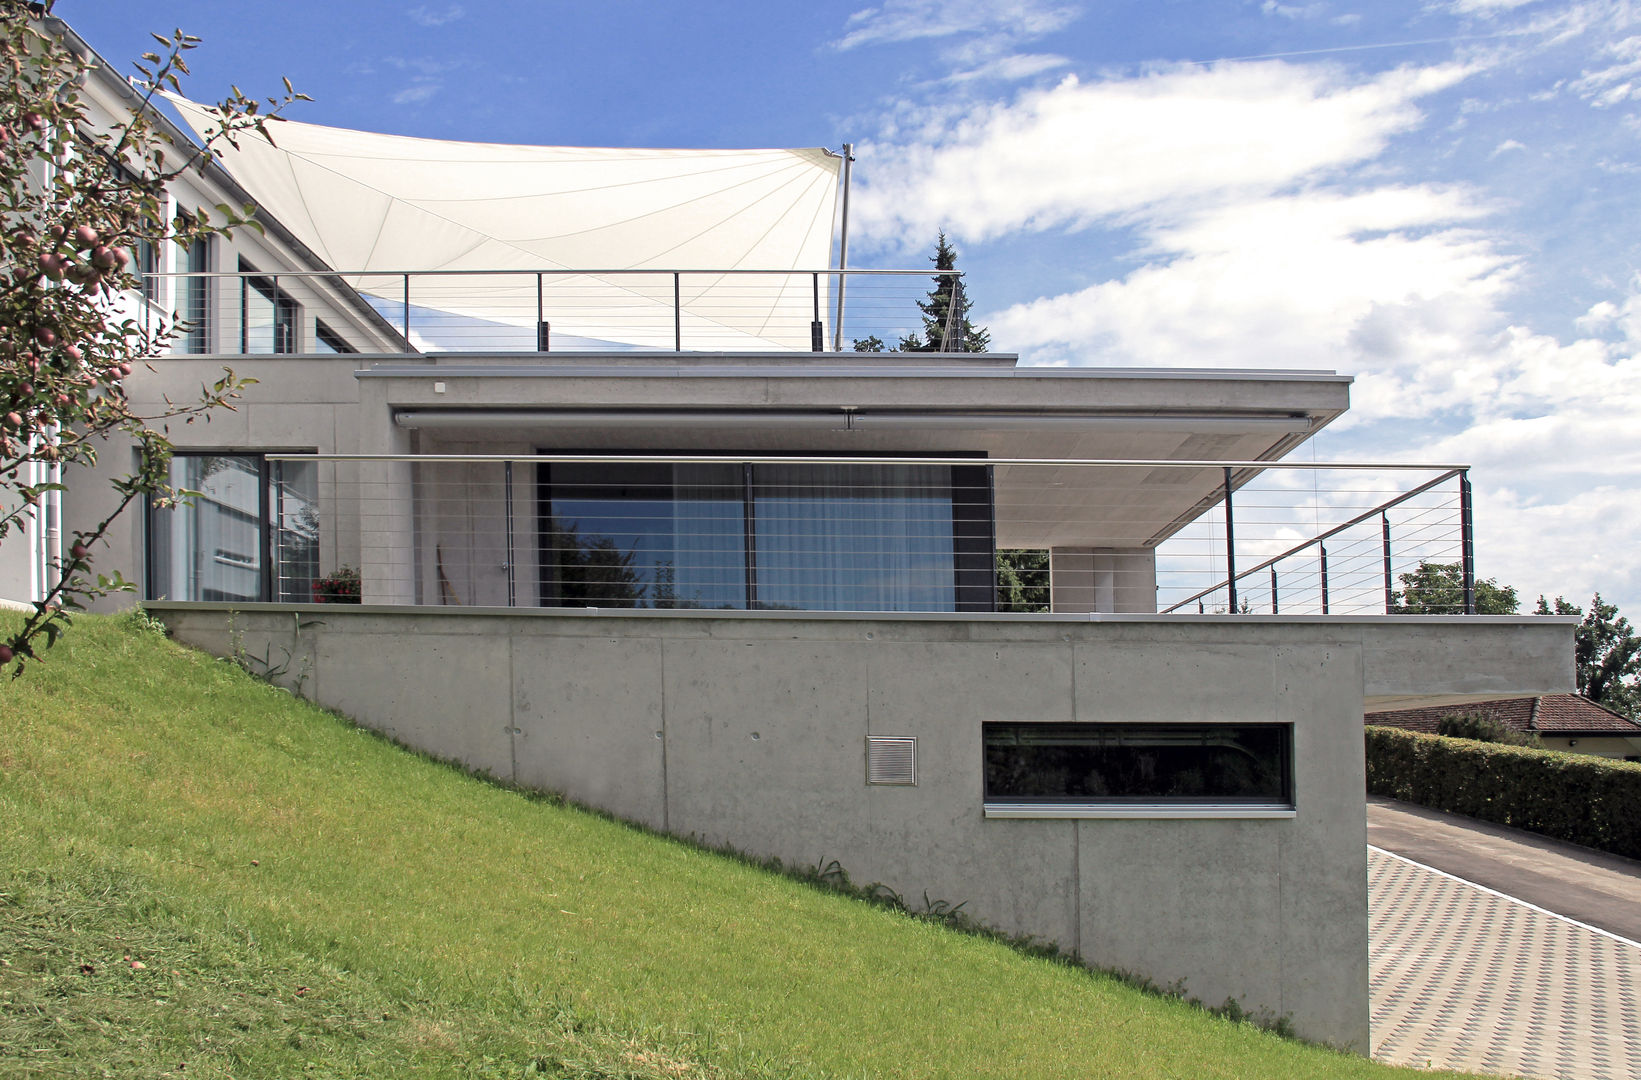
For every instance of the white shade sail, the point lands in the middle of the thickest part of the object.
(386, 204)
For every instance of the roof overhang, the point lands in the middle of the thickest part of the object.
(868, 404)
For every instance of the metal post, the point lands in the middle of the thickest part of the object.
(749, 525)
(843, 248)
(817, 334)
(1276, 609)
(1468, 538)
(407, 310)
(507, 483)
(1230, 545)
(952, 316)
(542, 331)
(677, 314)
(1390, 594)
(1324, 552)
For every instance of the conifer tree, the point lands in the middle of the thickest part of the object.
(948, 288)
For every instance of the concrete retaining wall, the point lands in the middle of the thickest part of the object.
(750, 730)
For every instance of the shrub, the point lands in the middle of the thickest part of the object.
(1575, 797)
(1485, 727)
(342, 587)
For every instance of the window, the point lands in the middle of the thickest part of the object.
(866, 537)
(1138, 770)
(148, 265)
(252, 532)
(326, 340)
(267, 315)
(193, 300)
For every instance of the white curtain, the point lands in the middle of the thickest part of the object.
(854, 537)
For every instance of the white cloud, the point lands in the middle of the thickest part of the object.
(427, 15)
(1010, 68)
(1573, 545)
(1485, 8)
(1292, 11)
(1506, 146)
(1080, 153)
(1617, 82)
(418, 92)
(1303, 280)
(912, 20)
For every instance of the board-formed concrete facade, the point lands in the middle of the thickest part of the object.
(750, 731)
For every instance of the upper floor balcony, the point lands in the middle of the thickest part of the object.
(255, 311)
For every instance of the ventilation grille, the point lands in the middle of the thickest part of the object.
(891, 761)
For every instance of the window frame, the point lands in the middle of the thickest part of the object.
(335, 344)
(267, 548)
(1144, 807)
(194, 296)
(287, 312)
(973, 531)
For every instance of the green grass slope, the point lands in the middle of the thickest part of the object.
(200, 876)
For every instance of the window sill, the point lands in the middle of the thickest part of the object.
(1153, 811)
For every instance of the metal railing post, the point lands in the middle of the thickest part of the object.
(1324, 550)
(677, 314)
(1230, 545)
(1468, 539)
(1390, 592)
(507, 484)
(817, 333)
(542, 330)
(951, 315)
(407, 310)
(1276, 609)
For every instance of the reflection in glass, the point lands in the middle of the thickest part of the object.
(661, 536)
(1216, 763)
(854, 537)
(212, 547)
(293, 492)
(209, 547)
(269, 318)
(867, 537)
(194, 301)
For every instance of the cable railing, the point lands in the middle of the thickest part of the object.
(259, 312)
(824, 533)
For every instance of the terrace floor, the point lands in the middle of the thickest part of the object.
(1467, 976)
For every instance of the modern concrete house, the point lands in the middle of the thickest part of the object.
(749, 594)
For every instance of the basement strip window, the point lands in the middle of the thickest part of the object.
(1115, 770)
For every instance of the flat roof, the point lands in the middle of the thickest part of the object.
(800, 365)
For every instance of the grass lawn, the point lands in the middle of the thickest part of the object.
(200, 876)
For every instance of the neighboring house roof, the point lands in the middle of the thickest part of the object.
(1558, 714)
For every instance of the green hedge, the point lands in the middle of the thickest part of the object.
(1586, 800)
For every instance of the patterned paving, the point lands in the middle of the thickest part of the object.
(1464, 978)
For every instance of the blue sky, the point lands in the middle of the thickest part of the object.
(1442, 198)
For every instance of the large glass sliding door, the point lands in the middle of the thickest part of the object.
(250, 533)
(846, 537)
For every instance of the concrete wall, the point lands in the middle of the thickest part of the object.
(750, 730)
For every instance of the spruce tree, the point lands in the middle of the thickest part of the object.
(965, 337)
